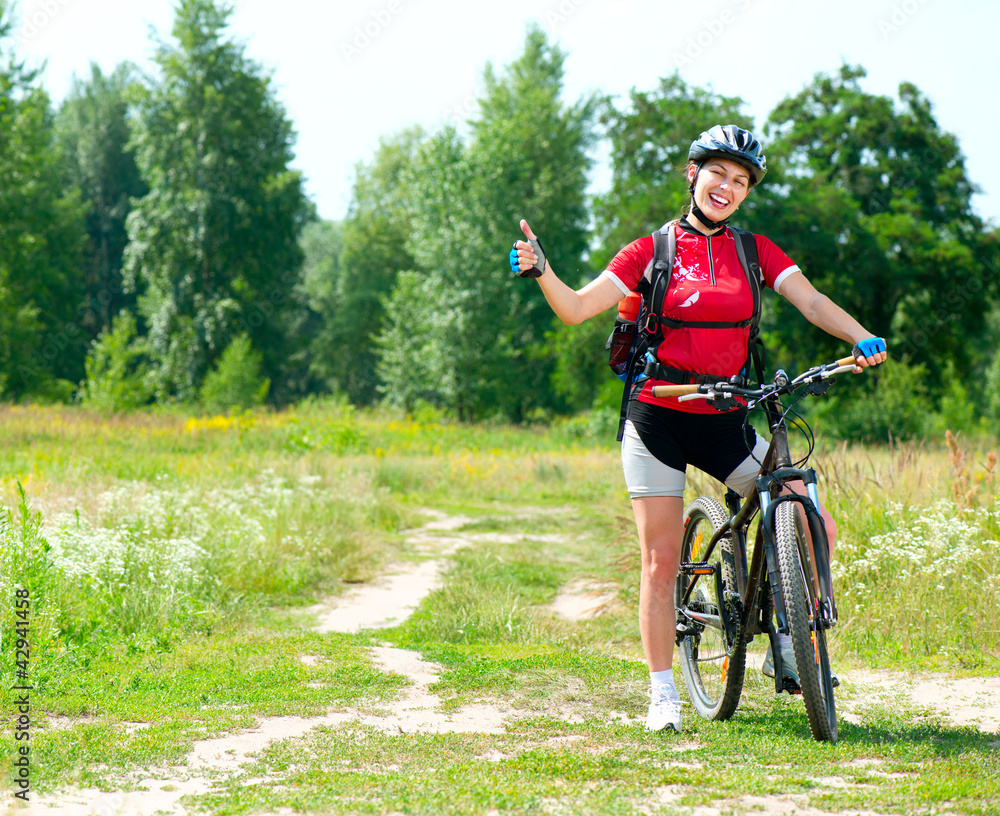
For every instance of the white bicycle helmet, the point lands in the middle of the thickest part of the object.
(733, 143)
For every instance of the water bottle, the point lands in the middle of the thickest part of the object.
(620, 342)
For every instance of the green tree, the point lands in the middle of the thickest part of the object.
(235, 382)
(117, 369)
(422, 352)
(42, 345)
(213, 246)
(93, 133)
(350, 269)
(483, 328)
(872, 199)
(321, 243)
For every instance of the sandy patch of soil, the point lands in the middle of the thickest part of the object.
(968, 701)
(583, 600)
(386, 602)
(161, 797)
(418, 711)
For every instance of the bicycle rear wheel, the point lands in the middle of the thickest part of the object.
(713, 664)
(808, 636)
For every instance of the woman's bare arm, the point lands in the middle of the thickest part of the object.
(819, 310)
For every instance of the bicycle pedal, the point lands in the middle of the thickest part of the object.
(685, 630)
(789, 685)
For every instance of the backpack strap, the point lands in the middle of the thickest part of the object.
(653, 288)
(664, 249)
(746, 249)
(657, 277)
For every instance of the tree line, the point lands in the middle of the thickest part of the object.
(156, 247)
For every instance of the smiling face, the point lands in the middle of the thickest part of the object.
(720, 188)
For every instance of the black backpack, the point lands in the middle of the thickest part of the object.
(643, 334)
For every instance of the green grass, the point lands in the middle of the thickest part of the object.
(170, 560)
(203, 687)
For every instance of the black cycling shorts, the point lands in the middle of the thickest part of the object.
(720, 444)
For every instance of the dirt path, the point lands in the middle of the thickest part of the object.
(384, 603)
(387, 602)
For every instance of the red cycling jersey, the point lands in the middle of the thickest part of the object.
(707, 283)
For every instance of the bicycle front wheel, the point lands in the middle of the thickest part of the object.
(713, 663)
(808, 636)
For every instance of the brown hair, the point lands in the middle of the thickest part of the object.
(687, 207)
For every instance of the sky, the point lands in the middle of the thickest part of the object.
(350, 73)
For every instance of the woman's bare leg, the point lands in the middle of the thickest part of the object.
(659, 520)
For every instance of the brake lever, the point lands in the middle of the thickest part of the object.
(725, 403)
(722, 401)
(686, 397)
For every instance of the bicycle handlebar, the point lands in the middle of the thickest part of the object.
(722, 388)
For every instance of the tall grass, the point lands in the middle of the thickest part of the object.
(918, 554)
(134, 532)
(146, 564)
(28, 575)
(927, 589)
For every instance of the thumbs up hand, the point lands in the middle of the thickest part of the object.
(527, 259)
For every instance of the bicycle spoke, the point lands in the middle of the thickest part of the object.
(713, 667)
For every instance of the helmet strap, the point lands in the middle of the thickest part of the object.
(696, 210)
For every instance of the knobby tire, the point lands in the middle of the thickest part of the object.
(713, 669)
(808, 638)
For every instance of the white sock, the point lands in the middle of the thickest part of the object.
(662, 678)
(785, 641)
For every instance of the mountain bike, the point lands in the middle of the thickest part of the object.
(721, 601)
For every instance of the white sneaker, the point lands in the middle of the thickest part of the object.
(788, 667)
(664, 709)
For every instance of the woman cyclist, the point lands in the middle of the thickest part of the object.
(663, 436)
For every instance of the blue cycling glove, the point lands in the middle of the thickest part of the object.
(513, 261)
(868, 347)
(537, 270)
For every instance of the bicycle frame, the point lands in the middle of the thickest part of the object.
(776, 472)
(786, 589)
